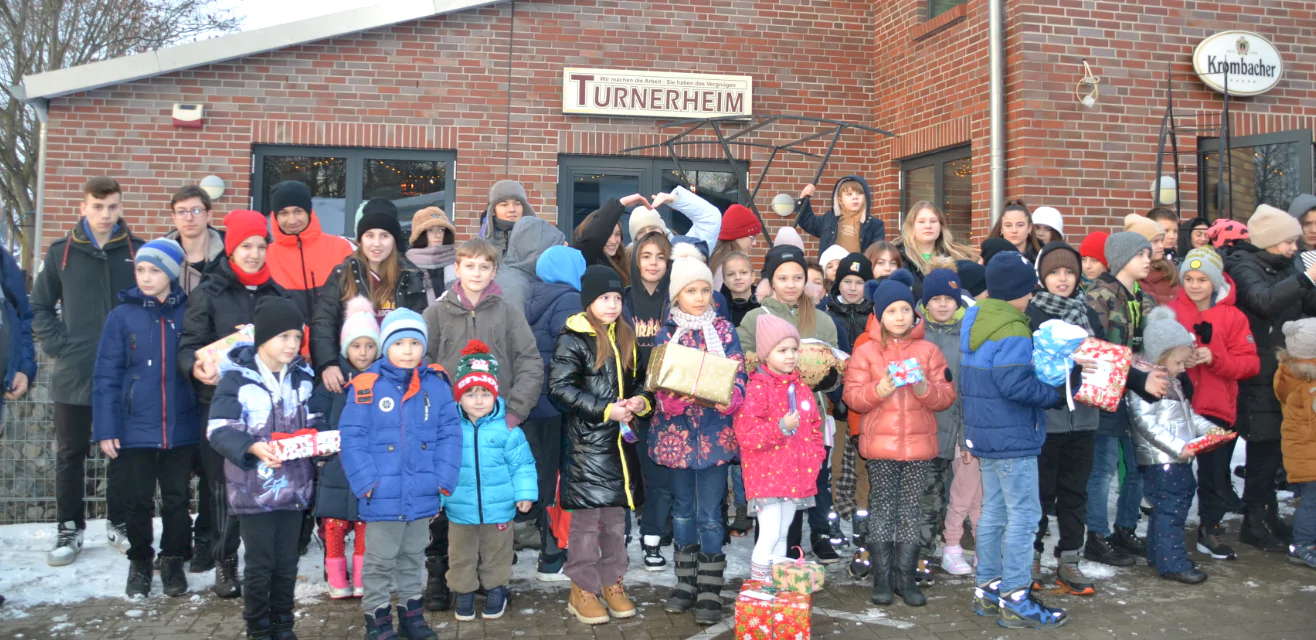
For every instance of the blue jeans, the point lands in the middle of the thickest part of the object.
(1011, 509)
(1304, 518)
(1170, 489)
(657, 490)
(697, 507)
(1105, 460)
(738, 484)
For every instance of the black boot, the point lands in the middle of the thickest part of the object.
(795, 537)
(883, 570)
(139, 578)
(823, 550)
(283, 624)
(1256, 533)
(261, 630)
(438, 597)
(1127, 539)
(172, 575)
(308, 530)
(227, 584)
(708, 604)
(1277, 526)
(1098, 549)
(411, 621)
(906, 583)
(380, 625)
(682, 596)
(203, 555)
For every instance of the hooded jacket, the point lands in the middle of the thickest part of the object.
(139, 397)
(1300, 206)
(903, 425)
(327, 323)
(21, 350)
(550, 304)
(1224, 330)
(302, 263)
(85, 282)
(775, 465)
(529, 239)
(498, 324)
(495, 230)
(595, 231)
(189, 276)
(824, 226)
(1162, 428)
(243, 412)
(401, 441)
(333, 493)
(595, 470)
(685, 435)
(1297, 394)
(950, 422)
(851, 318)
(645, 311)
(497, 471)
(738, 307)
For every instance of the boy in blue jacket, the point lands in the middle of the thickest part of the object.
(145, 415)
(401, 449)
(497, 479)
(1004, 427)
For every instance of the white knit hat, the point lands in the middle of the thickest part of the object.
(684, 271)
(642, 217)
(834, 252)
(788, 236)
(1050, 217)
(1300, 338)
(358, 322)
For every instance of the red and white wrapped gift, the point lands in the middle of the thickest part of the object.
(305, 443)
(1104, 387)
(1211, 440)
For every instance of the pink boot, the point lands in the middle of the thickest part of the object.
(336, 568)
(358, 568)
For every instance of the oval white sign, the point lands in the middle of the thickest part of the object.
(1251, 61)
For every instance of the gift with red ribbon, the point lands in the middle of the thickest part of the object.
(304, 443)
(905, 373)
(799, 575)
(766, 613)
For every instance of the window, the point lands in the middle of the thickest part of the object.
(938, 7)
(944, 179)
(1266, 169)
(341, 180)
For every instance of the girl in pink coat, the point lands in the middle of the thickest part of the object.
(779, 430)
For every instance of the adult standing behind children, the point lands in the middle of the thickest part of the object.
(507, 204)
(924, 236)
(849, 223)
(529, 239)
(433, 250)
(82, 274)
(301, 255)
(203, 244)
(1016, 226)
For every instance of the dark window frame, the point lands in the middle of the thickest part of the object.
(1206, 145)
(932, 7)
(936, 159)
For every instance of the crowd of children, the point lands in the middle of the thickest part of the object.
(497, 385)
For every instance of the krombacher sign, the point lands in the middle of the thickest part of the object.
(1251, 62)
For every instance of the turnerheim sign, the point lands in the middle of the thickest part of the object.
(1251, 62)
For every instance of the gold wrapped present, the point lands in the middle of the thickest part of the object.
(707, 379)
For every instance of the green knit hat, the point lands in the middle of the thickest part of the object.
(477, 368)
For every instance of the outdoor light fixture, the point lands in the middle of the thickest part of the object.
(783, 204)
(1167, 192)
(213, 186)
(1086, 92)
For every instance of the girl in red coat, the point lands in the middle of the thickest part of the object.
(779, 430)
(1224, 354)
(897, 435)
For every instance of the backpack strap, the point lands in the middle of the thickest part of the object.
(363, 388)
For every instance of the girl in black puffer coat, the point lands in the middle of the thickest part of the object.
(594, 381)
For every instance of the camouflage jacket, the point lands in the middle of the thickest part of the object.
(1122, 312)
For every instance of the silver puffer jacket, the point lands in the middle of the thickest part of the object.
(1161, 429)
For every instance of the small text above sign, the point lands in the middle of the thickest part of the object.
(1252, 63)
(613, 92)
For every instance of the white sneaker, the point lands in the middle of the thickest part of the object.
(116, 535)
(952, 561)
(68, 543)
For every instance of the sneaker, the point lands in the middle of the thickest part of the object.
(1038, 578)
(653, 553)
(823, 550)
(987, 598)
(952, 561)
(1071, 577)
(1021, 610)
(1302, 555)
(1191, 576)
(1211, 541)
(1098, 549)
(495, 603)
(116, 535)
(463, 607)
(68, 544)
(1128, 540)
(549, 569)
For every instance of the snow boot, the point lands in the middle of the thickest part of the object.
(682, 596)
(463, 606)
(283, 624)
(1191, 576)
(1038, 577)
(262, 630)
(712, 576)
(1070, 576)
(495, 603)
(1098, 549)
(172, 575)
(1020, 610)
(1211, 541)
(203, 555)
(906, 582)
(380, 625)
(1256, 533)
(139, 578)
(227, 584)
(358, 576)
(1128, 540)
(437, 595)
(834, 533)
(742, 524)
(1277, 526)
(336, 574)
(411, 621)
(883, 571)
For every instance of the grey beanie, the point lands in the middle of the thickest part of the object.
(1163, 333)
(1300, 338)
(1121, 247)
(1208, 262)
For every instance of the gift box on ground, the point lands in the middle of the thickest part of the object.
(1104, 387)
(216, 351)
(798, 576)
(304, 443)
(764, 613)
(1208, 442)
(905, 373)
(706, 378)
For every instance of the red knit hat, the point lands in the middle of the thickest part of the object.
(241, 224)
(477, 368)
(1094, 246)
(738, 222)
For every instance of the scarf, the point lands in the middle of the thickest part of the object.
(272, 381)
(251, 279)
(686, 322)
(1071, 310)
(432, 257)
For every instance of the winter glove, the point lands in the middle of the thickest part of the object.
(829, 380)
(1203, 330)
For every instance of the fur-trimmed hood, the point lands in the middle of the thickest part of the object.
(1301, 367)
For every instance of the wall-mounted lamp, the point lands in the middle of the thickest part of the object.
(1086, 92)
(1167, 192)
(213, 186)
(783, 204)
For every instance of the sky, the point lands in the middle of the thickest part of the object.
(257, 14)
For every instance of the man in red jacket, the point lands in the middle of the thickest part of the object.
(302, 254)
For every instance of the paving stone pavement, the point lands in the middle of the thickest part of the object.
(1258, 597)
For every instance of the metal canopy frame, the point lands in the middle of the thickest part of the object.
(833, 128)
(1170, 132)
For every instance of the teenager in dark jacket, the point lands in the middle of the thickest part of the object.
(82, 275)
(145, 415)
(1271, 291)
(850, 223)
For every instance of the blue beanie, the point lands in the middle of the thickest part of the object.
(1010, 276)
(942, 282)
(163, 253)
(973, 277)
(403, 323)
(888, 293)
(563, 265)
(899, 275)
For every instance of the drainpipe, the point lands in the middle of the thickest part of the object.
(996, 47)
(42, 107)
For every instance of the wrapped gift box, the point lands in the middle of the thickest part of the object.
(814, 361)
(798, 576)
(708, 379)
(1209, 441)
(216, 351)
(305, 443)
(905, 373)
(1104, 388)
(1053, 350)
(764, 613)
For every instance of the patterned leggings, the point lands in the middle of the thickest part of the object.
(335, 537)
(847, 483)
(895, 491)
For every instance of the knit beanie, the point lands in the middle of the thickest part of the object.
(1122, 247)
(290, 193)
(427, 219)
(1269, 226)
(1299, 338)
(942, 282)
(1056, 255)
(788, 236)
(509, 190)
(973, 277)
(1143, 226)
(1094, 246)
(1050, 217)
(402, 323)
(476, 368)
(380, 213)
(241, 224)
(642, 217)
(1010, 276)
(274, 315)
(780, 255)
(993, 246)
(834, 252)
(1163, 333)
(738, 222)
(899, 275)
(163, 253)
(770, 331)
(685, 271)
(853, 264)
(596, 281)
(358, 322)
(889, 293)
(1205, 260)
